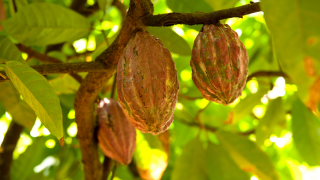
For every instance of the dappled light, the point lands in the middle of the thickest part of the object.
(239, 102)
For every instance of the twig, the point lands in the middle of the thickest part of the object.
(89, 10)
(201, 18)
(189, 98)
(32, 53)
(44, 58)
(113, 86)
(195, 124)
(78, 55)
(107, 164)
(212, 129)
(133, 169)
(3, 76)
(267, 73)
(114, 170)
(198, 114)
(78, 5)
(7, 147)
(14, 5)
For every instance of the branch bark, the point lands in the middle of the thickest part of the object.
(212, 129)
(34, 54)
(267, 73)
(93, 83)
(7, 147)
(201, 18)
(44, 58)
(69, 68)
(107, 164)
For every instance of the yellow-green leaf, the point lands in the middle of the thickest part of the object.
(220, 166)
(191, 165)
(247, 155)
(8, 51)
(39, 95)
(245, 106)
(275, 112)
(64, 84)
(45, 23)
(305, 133)
(18, 109)
(296, 38)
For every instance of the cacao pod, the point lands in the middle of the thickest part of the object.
(147, 84)
(219, 63)
(116, 135)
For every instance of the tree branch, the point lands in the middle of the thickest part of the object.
(78, 5)
(69, 68)
(212, 129)
(107, 164)
(201, 18)
(44, 58)
(90, 10)
(267, 73)
(7, 147)
(34, 54)
(91, 86)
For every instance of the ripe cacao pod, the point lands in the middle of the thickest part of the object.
(116, 135)
(147, 84)
(219, 63)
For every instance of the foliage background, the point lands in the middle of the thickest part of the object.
(269, 133)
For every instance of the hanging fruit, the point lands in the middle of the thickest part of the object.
(116, 136)
(219, 63)
(147, 84)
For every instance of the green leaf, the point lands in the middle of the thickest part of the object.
(171, 40)
(46, 23)
(189, 6)
(21, 4)
(8, 51)
(221, 4)
(245, 106)
(19, 109)
(191, 165)
(40, 96)
(64, 84)
(296, 38)
(275, 112)
(22, 167)
(247, 155)
(220, 165)
(305, 133)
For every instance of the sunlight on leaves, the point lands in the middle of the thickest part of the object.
(47, 28)
(72, 129)
(39, 95)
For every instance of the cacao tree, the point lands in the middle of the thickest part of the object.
(159, 89)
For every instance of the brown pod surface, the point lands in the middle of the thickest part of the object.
(219, 63)
(147, 84)
(116, 135)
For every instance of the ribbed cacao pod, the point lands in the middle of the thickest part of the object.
(116, 135)
(147, 84)
(219, 63)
